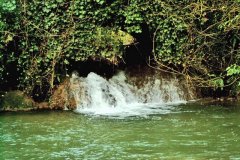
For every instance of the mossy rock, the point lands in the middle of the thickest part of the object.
(62, 97)
(16, 100)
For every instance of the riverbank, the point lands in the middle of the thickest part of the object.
(122, 89)
(45, 106)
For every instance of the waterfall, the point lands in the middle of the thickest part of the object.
(125, 95)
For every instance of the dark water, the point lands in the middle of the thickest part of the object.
(190, 131)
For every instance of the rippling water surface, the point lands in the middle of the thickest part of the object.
(188, 131)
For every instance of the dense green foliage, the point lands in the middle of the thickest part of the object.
(198, 39)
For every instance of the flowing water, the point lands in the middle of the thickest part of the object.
(124, 95)
(191, 131)
(125, 117)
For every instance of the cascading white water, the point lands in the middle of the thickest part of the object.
(123, 95)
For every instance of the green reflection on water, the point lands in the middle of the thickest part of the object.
(193, 131)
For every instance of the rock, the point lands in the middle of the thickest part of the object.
(62, 97)
(16, 101)
(43, 106)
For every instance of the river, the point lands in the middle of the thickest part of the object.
(187, 131)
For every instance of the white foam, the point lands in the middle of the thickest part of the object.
(121, 96)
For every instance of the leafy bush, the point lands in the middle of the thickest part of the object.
(49, 34)
(198, 39)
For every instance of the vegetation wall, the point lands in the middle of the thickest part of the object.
(39, 40)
